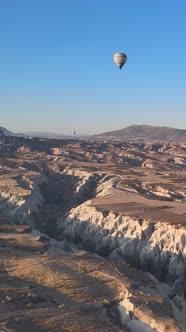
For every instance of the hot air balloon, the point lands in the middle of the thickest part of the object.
(73, 132)
(120, 59)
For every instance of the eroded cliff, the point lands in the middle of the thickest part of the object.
(102, 212)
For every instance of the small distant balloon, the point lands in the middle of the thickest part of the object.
(120, 59)
(73, 132)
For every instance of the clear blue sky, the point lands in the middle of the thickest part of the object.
(57, 72)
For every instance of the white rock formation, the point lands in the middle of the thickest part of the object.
(20, 209)
(159, 248)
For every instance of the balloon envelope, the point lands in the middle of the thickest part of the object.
(120, 59)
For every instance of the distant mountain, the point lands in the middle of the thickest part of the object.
(7, 132)
(43, 134)
(145, 132)
(131, 133)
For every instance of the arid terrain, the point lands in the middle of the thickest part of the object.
(92, 235)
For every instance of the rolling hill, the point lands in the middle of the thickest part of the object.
(145, 132)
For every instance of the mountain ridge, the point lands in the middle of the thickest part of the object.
(6, 132)
(130, 133)
(145, 132)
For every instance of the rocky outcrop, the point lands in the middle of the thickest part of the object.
(21, 206)
(158, 248)
(60, 290)
(138, 316)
